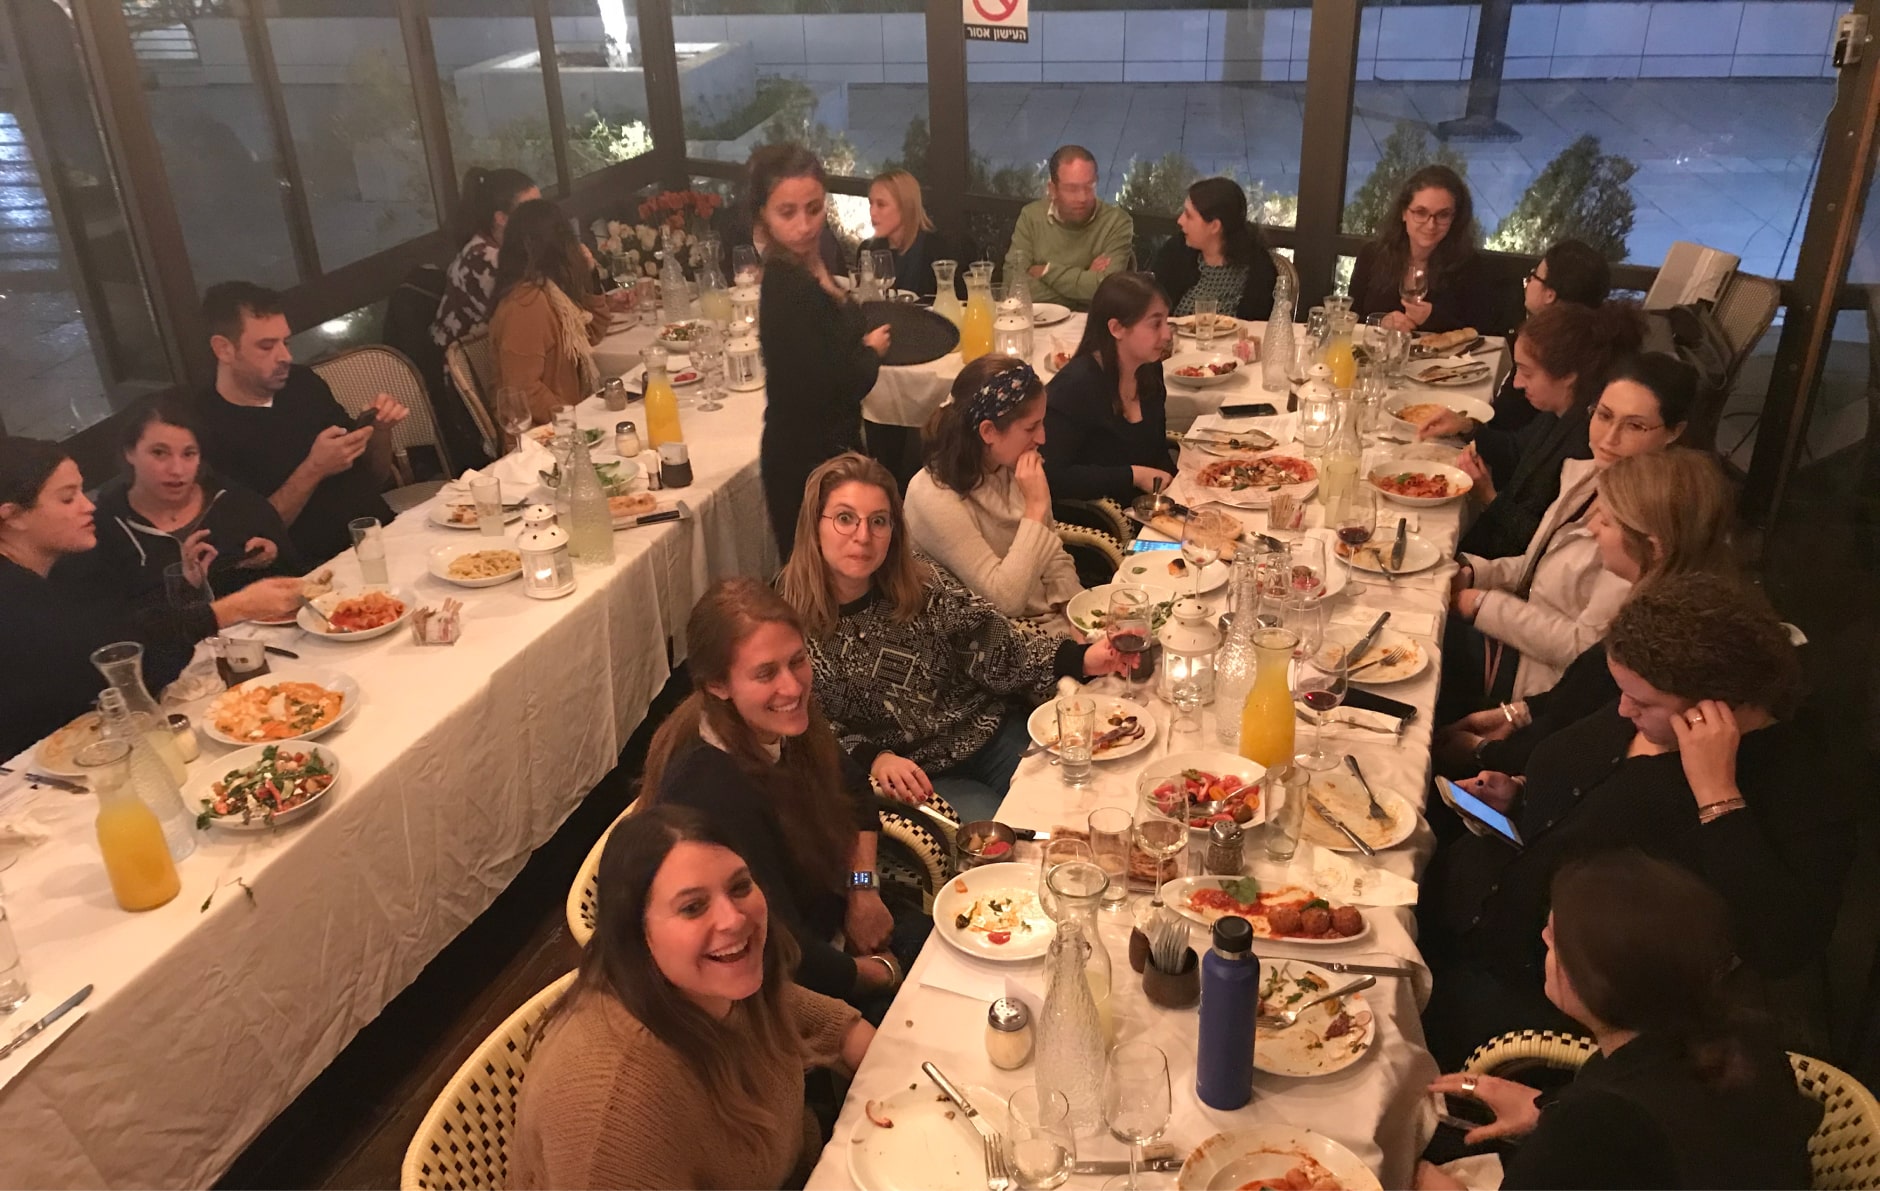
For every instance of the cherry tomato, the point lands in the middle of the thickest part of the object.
(999, 936)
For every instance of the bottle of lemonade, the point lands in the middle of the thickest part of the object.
(136, 859)
(976, 323)
(1266, 719)
(1338, 354)
(662, 404)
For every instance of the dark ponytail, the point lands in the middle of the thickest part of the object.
(1222, 199)
(485, 194)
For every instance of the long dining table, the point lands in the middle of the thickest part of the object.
(210, 1014)
(1376, 1107)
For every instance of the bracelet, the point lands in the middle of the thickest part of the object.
(894, 969)
(1507, 713)
(1717, 810)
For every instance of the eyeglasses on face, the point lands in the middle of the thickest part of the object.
(1627, 427)
(1534, 274)
(847, 521)
(1441, 218)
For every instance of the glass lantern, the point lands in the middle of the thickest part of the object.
(744, 302)
(547, 567)
(1189, 640)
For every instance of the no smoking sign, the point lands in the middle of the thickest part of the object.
(997, 20)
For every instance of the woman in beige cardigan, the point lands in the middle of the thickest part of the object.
(981, 507)
(676, 1059)
(547, 317)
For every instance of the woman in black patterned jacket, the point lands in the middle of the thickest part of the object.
(917, 673)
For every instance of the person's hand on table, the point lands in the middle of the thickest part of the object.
(1497, 789)
(258, 554)
(1513, 1104)
(1448, 424)
(878, 339)
(1707, 738)
(1104, 658)
(901, 779)
(1032, 485)
(1397, 320)
(1149, 479)
(867, 923)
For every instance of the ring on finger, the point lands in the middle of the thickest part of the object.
(1468, 1085)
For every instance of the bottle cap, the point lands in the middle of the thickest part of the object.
(1007, 1015)
(1233, 936)
(625, 428)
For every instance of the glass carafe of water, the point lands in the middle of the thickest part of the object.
(122, 664)
(946, 299)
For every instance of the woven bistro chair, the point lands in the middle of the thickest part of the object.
(1096, 554)
(463, 1143)
(472, 371)
(1843, 1154)
(359, 375)
(1103, 515)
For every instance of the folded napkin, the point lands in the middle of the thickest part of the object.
(948, 970)
(519, 471)
(1346, 880)
(1360, 617)
(1358, 717)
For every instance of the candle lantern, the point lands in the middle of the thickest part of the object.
(1189, 643)
(744, 301)
(744, 365)
(547, 568)
(1318, 411)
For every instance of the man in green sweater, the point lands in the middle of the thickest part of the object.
(1070, 240)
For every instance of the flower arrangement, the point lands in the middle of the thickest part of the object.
(633, 248)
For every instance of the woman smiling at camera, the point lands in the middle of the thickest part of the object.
(751, 750)
(929, 680)
(982, 507)
(676, 1059)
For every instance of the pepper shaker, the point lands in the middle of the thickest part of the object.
(1226, 840)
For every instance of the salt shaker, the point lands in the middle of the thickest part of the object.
(1008, 1034)
(1225, 841)
(626, 440)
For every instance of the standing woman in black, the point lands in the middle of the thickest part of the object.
(819, 359)
(1431, 225)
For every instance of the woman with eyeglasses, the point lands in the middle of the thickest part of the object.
(927, 679)
(1426, 242)
(1526, 616)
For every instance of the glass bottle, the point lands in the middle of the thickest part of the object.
(1276, 353)
(1076, 890)
(675, 294)
(122, 665)
(662, 404)
(1338, 354)
(1266, 718)
(1071, 1055)
(1234, 664)
(1339, 465)
(149, 776)
(714, 300)
(946, 299)
(976, 323)
(591, 525)
(136, 856)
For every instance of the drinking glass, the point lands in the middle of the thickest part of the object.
(1308, 566)
(1199, 549)
(708, 356)
(1205, 310)
(1136, 1102)
(513, 414)
(1054, 854)
(646, 301)
(884, 271)
(1304, 617)
(1415, 284)
(186, 594)
(1129, 629)
(1355, 518)
(486, 492)
(1077, 736)
(1040, 1144)
(368, 538)
(1316, 325)
(1109, 843)
(1159, 830)
(13, 989)
(1285, 790)
(1320, 680)
(746, 265)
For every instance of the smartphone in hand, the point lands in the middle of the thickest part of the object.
(367, 417)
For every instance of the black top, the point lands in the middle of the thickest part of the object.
(1642, 1117)
(913, 269)
(134, 552)
(1779, 863)
(1537, 452)
(1460, 298)
(816, 365)
(1584, 687)
(52, 626)
(1088, 446)
(260, 446)
(710, 780)
(1177, 267)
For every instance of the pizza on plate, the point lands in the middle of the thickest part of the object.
(1264, 471)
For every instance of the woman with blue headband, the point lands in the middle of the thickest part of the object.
(981, 507)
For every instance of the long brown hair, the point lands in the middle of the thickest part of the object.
(1584, 342)
(805, 583)
(1680, 498)
(804, 785)
(771, 165)
(1647, 945)
(618, 962)
(955, 454)
(540, 245)
(1125, 297)
(1456, 248)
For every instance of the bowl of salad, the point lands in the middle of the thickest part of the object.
(264, 787)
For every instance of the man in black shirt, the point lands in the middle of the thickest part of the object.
(277, 428)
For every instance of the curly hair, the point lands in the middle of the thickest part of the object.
(1702, 636)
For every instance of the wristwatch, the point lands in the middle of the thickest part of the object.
(864, 881)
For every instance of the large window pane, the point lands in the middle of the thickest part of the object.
(1630, 125)
(603, 82)
(355, 126)
(489, 63)
(1162, 96)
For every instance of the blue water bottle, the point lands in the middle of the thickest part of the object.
(1230, 1000)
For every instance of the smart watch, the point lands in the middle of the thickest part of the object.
(863, 881)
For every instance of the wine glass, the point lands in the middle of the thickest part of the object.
(1128, 624)
(1308, 566)
(746, 265)
(1199, 549)
(1136, 1102)
(1051, 855)
(1415, 284)
(1355, 519)
(513, 414)
(1161, 828)
(884, 272)
(708, 356)
(1320, 681)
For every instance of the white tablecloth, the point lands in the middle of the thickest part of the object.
(460, 761)
(1375, 1107)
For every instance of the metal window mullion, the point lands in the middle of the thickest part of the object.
(551, 84)
(665, 107)
(427, 91)
(948, 151)
(267, 78)
(1325, 142)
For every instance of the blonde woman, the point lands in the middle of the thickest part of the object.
(544, 328)
(1658, 515)
(902, 227)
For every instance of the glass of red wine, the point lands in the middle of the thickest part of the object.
(1355, 518)
(1129, 629)
(1320, 680)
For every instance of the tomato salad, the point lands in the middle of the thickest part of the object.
(280, 781)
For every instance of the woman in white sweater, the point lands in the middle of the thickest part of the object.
(981, 507)
(1552, 602)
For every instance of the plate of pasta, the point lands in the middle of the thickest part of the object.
(476, 565)
(357, 615)
(1420, 484)
(296, 703)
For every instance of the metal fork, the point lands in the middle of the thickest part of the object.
(1391, 657)
(998, 1174)
(1290, 1017)
(1376, 811)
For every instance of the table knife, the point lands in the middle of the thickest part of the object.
(33, 1031)
(278, 652)
(1364, 642)
(959, 1101)
(1033, 834)
(1319, 808)
(1341, 967)
(1397, 547)
(42, 779)
(1121, 1165)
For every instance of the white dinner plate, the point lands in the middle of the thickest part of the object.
(1051, 364)
(332, 599)
(442, 556)
(332, 680)
(1459, 482)
(1151, 568)
(1048, 314)
(1176, 894)
(1221, 763)
(1301, 1050)
(57, 753)
(931, 1143)
(441, 516)
(1226, 326)
(679, 374)
(1344, 797)
(1471, 372)
(1419, 554)
(1042, 723)
(1090, 608)
(1255, 498)
(1409, 666)
(1264, 1154)
(1478, 411)
(1172, 368)
(201, 785)
(974, 889)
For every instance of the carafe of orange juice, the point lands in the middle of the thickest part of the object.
(1338, 354)
(136, 858)
(1266, 719)
(662, 404)
(976, 323)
